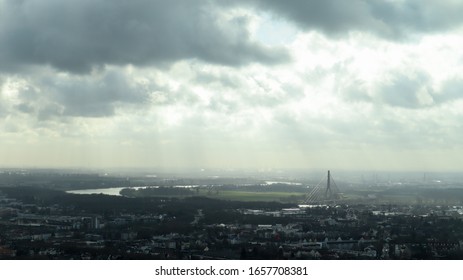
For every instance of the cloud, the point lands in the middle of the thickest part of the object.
(194, 83)
(2, 101)
(78, 36)
(81, 96)
(404, 89)
(451, 90)
(388, 19)
(396, 89)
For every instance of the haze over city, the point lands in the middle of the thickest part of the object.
(232, 84)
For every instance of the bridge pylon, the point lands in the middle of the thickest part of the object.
(321, 194)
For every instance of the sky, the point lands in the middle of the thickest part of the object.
(245, 84)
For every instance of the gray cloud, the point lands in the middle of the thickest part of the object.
(77, 36)
(389, 19)
(451, 90)
(404, 91)
(413, 91)
(227, 80)
(82, 96)
(2, 108)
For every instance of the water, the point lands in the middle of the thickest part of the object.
(286, 183)
(116, 191)
(107, 191)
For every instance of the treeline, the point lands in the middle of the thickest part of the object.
(264, 188)
(159, 191)
(93, 203)
(99, 203)
(444, 195)
(61, 181)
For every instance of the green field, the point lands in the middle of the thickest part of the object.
(258, 196)
(408, 196)
(236, 195)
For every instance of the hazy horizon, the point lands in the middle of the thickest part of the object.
(261, 85)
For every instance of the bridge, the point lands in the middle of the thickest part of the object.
(324, 194)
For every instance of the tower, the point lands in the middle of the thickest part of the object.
(321, 194)
(328, 192)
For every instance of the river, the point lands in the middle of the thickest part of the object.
(107, 191)
(116, 191)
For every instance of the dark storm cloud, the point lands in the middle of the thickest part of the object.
(390, 19)
(77, 36)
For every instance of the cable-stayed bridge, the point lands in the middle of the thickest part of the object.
(324, 193)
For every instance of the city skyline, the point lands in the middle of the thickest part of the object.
(354, 85)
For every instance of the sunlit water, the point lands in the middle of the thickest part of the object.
(116, 191)
(107, 191)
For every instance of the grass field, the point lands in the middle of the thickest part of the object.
(239, 195)
(258, 196)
